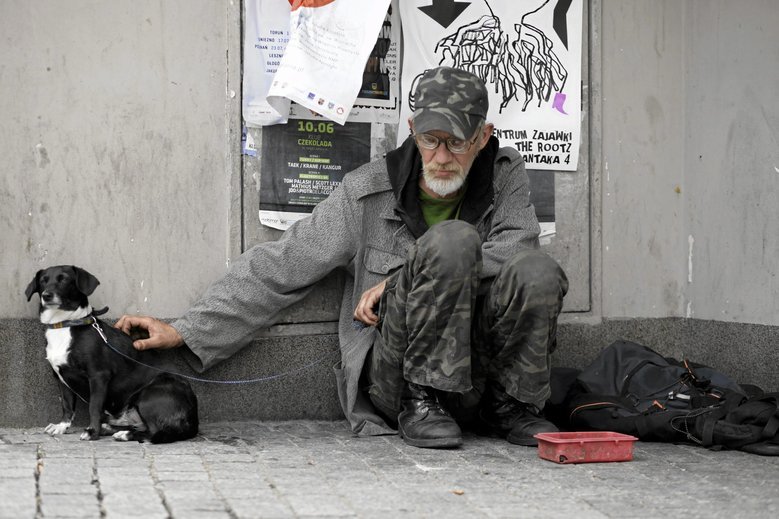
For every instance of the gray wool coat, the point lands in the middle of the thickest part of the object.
(357, 230)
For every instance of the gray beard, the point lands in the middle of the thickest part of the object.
(442, 187)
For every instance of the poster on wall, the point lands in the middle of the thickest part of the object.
(378, 99)
(266, 36)
(324, 61)
(267, 33)
(528, 52)
(302, 162)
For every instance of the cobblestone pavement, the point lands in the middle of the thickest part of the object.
(318, 469)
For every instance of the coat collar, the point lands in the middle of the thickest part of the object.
(404, 166)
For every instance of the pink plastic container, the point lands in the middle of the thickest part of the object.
(585, 447)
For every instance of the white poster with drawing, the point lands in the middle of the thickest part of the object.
(528, 52)
(323, 63)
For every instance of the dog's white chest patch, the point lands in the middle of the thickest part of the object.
(58, 342)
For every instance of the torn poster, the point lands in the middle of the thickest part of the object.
(528, 52)
(266, 37)
(323, 63)
(302, 162)
(378, 100)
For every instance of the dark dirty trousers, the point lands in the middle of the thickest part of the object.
(444, 327)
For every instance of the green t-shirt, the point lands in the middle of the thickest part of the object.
(439, 209)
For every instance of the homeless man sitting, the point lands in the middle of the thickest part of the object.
(449, 309)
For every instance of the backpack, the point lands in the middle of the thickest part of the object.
(632, 389)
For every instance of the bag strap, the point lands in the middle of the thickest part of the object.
(707, 432)
(730, 401)
(772, 426)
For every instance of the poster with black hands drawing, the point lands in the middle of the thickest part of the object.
(528, 52)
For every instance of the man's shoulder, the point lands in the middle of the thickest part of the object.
(508, 162)
(368, 179)
(506, 154)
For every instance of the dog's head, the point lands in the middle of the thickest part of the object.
(63, 287)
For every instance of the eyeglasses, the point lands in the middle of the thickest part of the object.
(456, 146)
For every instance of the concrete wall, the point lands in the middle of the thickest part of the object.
(690, 160)
(116, 146)
(120, 153)
(119, 138)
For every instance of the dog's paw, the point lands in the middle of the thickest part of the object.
(106, 429)
(57, 428)
(89, 434)
(122, 436)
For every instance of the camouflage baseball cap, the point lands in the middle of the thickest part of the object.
(449, 100)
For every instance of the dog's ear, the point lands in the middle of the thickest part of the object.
(86, 282)
(33, 287)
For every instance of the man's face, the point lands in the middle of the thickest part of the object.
(444, 172)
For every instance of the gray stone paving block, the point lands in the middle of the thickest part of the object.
(169, 459)
(67, 451)
(184, 466)
(17, 498)
(135, 511)
(64, 505)
(108, 461)
(227, 458)
(276, 466)
(182, 476)
(14, 451)
(319, 505)
(259, 508)
(195, 493)
(119, 507)
(63, 488)
(249, 475)
(144, 496)
(118, 483)
(15, 472)
(197, 513)
(78, 474)
(15, 511)
(231, 493)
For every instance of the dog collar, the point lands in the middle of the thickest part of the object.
(72, 322)
(86, 321)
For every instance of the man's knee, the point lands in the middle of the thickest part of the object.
(534, 273)
(452, 247)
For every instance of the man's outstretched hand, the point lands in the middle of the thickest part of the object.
(161, 334)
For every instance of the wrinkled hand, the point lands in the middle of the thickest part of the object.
(161, 334)
(369, 299)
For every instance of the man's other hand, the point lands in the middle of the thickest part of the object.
(161, 334)
(368, 301)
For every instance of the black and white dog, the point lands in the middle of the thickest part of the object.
(126, 399)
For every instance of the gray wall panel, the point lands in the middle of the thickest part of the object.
(118, 137)
(114, 139)
(690, 170)
(732, 160)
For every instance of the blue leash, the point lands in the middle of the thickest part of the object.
(96, 326)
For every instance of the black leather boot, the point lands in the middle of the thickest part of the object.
(516, 421)
(424, 422)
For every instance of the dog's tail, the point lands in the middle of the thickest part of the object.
(184, 431)
(157, 429)
(168, 408)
